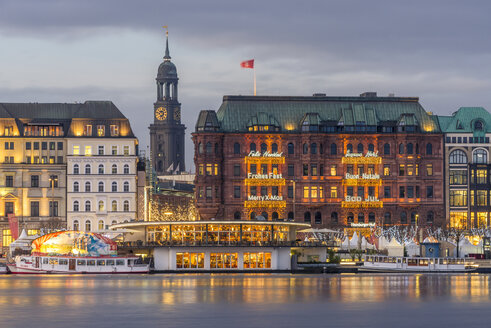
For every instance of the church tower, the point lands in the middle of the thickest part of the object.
(167, 132)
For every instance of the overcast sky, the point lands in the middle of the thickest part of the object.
(67, 51)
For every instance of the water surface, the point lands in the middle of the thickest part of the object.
(240, 300)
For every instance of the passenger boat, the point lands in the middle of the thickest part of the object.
(75, 252)
(65, 265)
(378, 263)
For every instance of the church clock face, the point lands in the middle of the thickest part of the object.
(161, 113)
(177, 115)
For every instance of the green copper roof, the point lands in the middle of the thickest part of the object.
(236, 112)
(464, 119)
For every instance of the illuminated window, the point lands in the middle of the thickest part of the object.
(334, 192)
(371, 169)
(88, 150)
(333, 170)
(114, 130)
(313, 169)
(410, 170)
(264, 168)
(472, 197)
(76, 150)
(321, 192)
(429, 169)
(313, 192)
(360, 169)
(305, 192)
(274, 168)
(458, 197)
(209, 169)
(201, 169)
(482, 198)
(101, 130)
(386, 169)
(88, 130)
(458, 177)
(101, 206)
(6, 237)
(481, 176)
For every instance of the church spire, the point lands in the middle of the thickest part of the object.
(167, 55)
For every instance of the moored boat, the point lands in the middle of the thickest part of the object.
(69, 252)
(3, 268)
(379, 263)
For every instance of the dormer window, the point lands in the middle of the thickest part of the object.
(114, 130)
(101, 130)
(88, 130)
(478, 126)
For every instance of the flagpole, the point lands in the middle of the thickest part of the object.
(254, 70)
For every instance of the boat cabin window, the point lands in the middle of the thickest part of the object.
(101, 262)
(63, 262)
(45, 260)
(109, 262)
(119, 262)
(53, 261)
(80, 262)
(91, 262)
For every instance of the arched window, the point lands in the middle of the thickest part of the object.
(236, 148)
(216, 149)
(253, 215)
(478, 126)
(101, 169)
(430, 217)
(101, 186)
(417, 148)
(76, 169)
(237, 215)
(101, 206)
(409, 148)
(113, 222)
(101, 225)
(305, 148)
(208, 148)
(387, 218)
(264, 148)
(291, 216)
(114, 206)
(361, 218)
(321, 148)
(76, 206)
(414, 215)
(351, 217)
(334, 149)
(126, 169)
(359, 148)
(114, 186)
(76, 187)
(274, 216)
(386, 149)
(371, 217)
(87, 169)
(291, 149)
(87, 206)
(126, 186)
(306, 217)
(403, 218)
(401, 148)
(349, 148)
(458, 157)
(264, 215)
(480, 156)
(252, 146)
(87, 186)
(334, 217)
(87, 225)
(200, 148)
(274, 148)
(371, 147)
(76, 226)
(313, 148)
(114, 169)
(126, 206)
(318, 218)
(429, 149)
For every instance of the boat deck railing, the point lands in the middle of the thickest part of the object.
(228, 244)
(415, 260)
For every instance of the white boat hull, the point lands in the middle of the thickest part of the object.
(377, 263)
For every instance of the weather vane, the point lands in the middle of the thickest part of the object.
(166, 30)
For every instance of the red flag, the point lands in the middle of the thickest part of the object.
(14, 226)
(247, 64)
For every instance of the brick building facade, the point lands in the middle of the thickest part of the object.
(330, 161)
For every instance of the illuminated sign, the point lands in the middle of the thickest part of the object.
(368, 154)
(363, 225)
(363, 176)
(358, 199)
(358, 158)
(264, 198)
(265, 154)
(264, 176)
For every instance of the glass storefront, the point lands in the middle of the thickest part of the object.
(190, 260)
(223, 261)
(458, 220)
(257, 260)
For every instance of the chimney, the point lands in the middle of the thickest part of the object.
(369, 95)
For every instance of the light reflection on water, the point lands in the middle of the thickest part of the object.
(265, 300)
